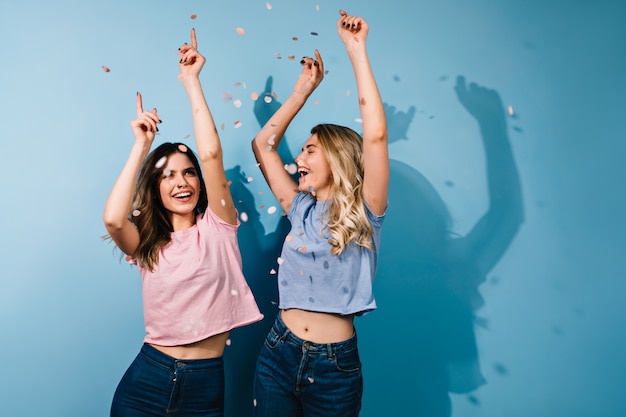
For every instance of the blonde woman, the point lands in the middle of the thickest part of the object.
(309, 364)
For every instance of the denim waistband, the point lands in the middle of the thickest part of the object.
(286, 335)
(168, 361)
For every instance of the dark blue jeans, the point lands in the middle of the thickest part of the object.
(156, 384)
(296, 378)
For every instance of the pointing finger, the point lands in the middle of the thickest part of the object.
(139, 104)
(194, 42)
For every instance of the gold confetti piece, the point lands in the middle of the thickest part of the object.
(303, 249)
(244, 217)
(254, 96)
(240, 31)
(193, 16)
(136, 213)
(288, 238)
(182, 148)
(271, 210)
(262, 206)
(106, 69)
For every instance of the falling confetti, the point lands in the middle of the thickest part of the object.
(237, 103)
(280, 261)
(295, 38)
(223, 202)
(193, 16)
(159, 164)
(106, 69)
(291, 57)
(136, 213)
(303, 249)
(254, 96)
(272, 271)
(511, 112)
(272, 139)
(254, 402)
(240, 31)
(244, 217)
(311, 380)
(227, 96)
(268, 6)
(222, 126)
(291, 168)
(238, 124)
(271, 210)
(182, 148)
(187, 136)
(267, 99)
(234, 292)
(249, 179)
(316, 102)
(314, 33)
(228, 342)
(317, 7)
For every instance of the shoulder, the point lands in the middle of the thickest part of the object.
(211, 220)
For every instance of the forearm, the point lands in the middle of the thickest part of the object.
(207, 139)
(273, 131)
(120, 199)
(370, 102)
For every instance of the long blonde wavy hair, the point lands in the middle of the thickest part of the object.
(346, 217)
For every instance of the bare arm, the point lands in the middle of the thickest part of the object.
(118, 205)
(353, 32)
(266, 142)
(207, 139)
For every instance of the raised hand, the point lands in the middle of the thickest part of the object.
(144, 126)
(351, 28)
(190, 61)
(311, 76)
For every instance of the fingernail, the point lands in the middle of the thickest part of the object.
(343, 23)
(302, 62)
(181, 61)
(160, 121)
(315, 63)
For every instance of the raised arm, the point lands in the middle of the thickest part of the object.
(207, 139)
(353, 32)
(118, 205)
(266, 142)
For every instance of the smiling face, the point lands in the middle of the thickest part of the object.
(179, 190)
(315, 173)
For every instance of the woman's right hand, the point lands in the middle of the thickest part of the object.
(144, 127)
(311, 76)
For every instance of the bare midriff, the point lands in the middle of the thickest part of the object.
(318, 327)
(211, 347)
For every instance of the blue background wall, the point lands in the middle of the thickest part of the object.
(525, 318)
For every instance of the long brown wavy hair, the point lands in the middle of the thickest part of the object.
(148, 214)
(346, 216)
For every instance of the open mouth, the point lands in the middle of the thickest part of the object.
(183, 195)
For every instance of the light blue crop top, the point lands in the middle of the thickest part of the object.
(310, 278)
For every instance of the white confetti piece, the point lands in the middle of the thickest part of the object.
(267, 99)
(234, 292)
(280, 261)
(272, 139)
(167, 172)
(223, 202)
(136, 213)
(311, 380)
(244, 217)
(291, 168)
(272, 271)
(268, 6)
(249, 179)
(228, 342)
(160, 162)
(237, 103)
(271, 210)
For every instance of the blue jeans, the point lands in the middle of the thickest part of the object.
(296, 378)
(156, 384)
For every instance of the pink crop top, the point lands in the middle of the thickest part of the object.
(197, 290)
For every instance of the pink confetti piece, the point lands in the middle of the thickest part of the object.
(254, 96)
(193, 16)
(240, 31)
(182, 148)
(106, 69)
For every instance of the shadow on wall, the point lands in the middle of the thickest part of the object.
(259, 253)
(420, 345)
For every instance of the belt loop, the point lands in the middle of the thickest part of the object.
(329, 350)
(285, 335)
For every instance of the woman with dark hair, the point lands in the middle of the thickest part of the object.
(180, 229)
(309, 364)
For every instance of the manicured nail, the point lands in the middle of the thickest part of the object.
(302, 62)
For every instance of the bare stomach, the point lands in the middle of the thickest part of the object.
(318, 327)
(211, 347)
